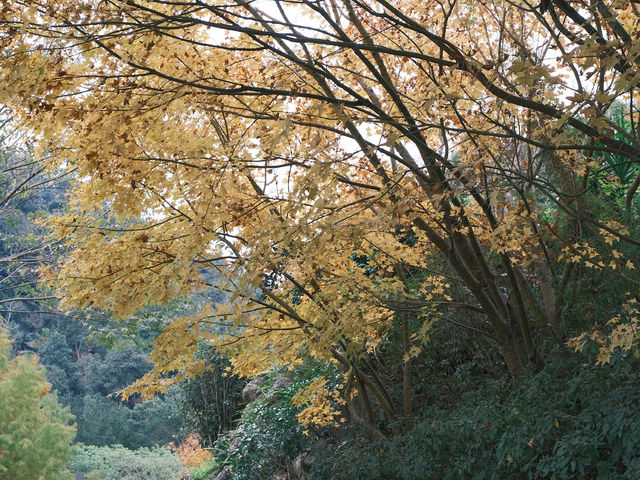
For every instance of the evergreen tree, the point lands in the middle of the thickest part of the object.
(35, 431)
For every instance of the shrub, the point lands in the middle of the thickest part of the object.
(564, 423)
(119, 463)
(204, 471)
(190, 452)
(269, 436)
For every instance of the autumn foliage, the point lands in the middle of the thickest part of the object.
(347, 167)
(190, 452)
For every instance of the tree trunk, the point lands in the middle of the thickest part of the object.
(407, 400)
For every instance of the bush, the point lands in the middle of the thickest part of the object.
(269, 436)
(562, 424)
(205, 471)
(119, 463)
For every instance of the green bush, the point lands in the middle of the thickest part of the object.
(562, 424)
(204, 472)
(119, 463)
(269, 437)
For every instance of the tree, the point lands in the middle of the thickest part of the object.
(348, 165)
(35, 431)
(211, 403)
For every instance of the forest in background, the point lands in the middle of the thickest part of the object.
(410, 230)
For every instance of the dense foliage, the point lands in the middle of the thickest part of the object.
(211, 403)
(119, 463)
(573, 422)
(269, 436)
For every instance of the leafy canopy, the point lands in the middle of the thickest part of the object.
(346, 165)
